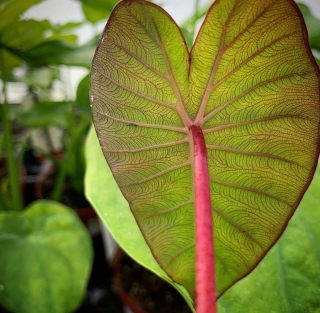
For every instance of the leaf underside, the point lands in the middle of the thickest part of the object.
(250, 83)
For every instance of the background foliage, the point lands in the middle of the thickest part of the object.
(286, 280)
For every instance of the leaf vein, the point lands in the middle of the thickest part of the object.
(250, 153)
(250, 24)
(234, 224)
(168, 210)
(183, 250)
(250, 58)
(208, 89)
(128, 122)
(139, 59)
(166, 104)
(246, 92)
(253, 121)
(250, 189)
(165, 145)
(171, 169)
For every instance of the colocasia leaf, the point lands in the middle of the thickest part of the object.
(252, 86)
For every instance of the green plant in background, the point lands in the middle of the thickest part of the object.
(45, 259)
(251, 84)
(49, 236)
(45, 251)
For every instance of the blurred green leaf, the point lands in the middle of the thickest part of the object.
(65, 32)
(10, 62)
(1, 143)
(57, 52)
(76, 160)
(92, 14)
(44, 114)
(15, 41)
(188, 35)
(42, 77)
(96, 10)
(82, 99)
(72, 39)
(288, 278)
(17, 37)
(313, 25)
(62, 27)
(45, 259)
(11, 10)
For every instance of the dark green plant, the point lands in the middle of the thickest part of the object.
(45, 250)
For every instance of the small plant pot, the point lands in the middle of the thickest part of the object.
(142, 291)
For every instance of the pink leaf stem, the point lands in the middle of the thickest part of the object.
(205, 275)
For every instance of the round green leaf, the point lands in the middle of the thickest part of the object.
(45, 259)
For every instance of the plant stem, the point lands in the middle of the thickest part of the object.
(13, 169)
(205, 275)
(195, 18)
(62, 170)
(61, 177)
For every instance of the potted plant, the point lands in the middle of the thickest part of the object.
(45, 251)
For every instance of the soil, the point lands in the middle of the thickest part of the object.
(148, 291)
(3, 170)
(69, 196)
(101, 296)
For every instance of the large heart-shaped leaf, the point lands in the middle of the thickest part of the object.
(250, 82)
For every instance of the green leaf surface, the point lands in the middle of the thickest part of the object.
(11, 10)
(82, 96)
(75, 159)
(45, 259)
(10, 62)
(44, 114)
(42, 77)
(16, 35)
(250, 82)
(105, 196)
(15, 40)
(59, 52)
(93, 14)
(288, 278)
(313, 25)
(96, 10)
(56, 52)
